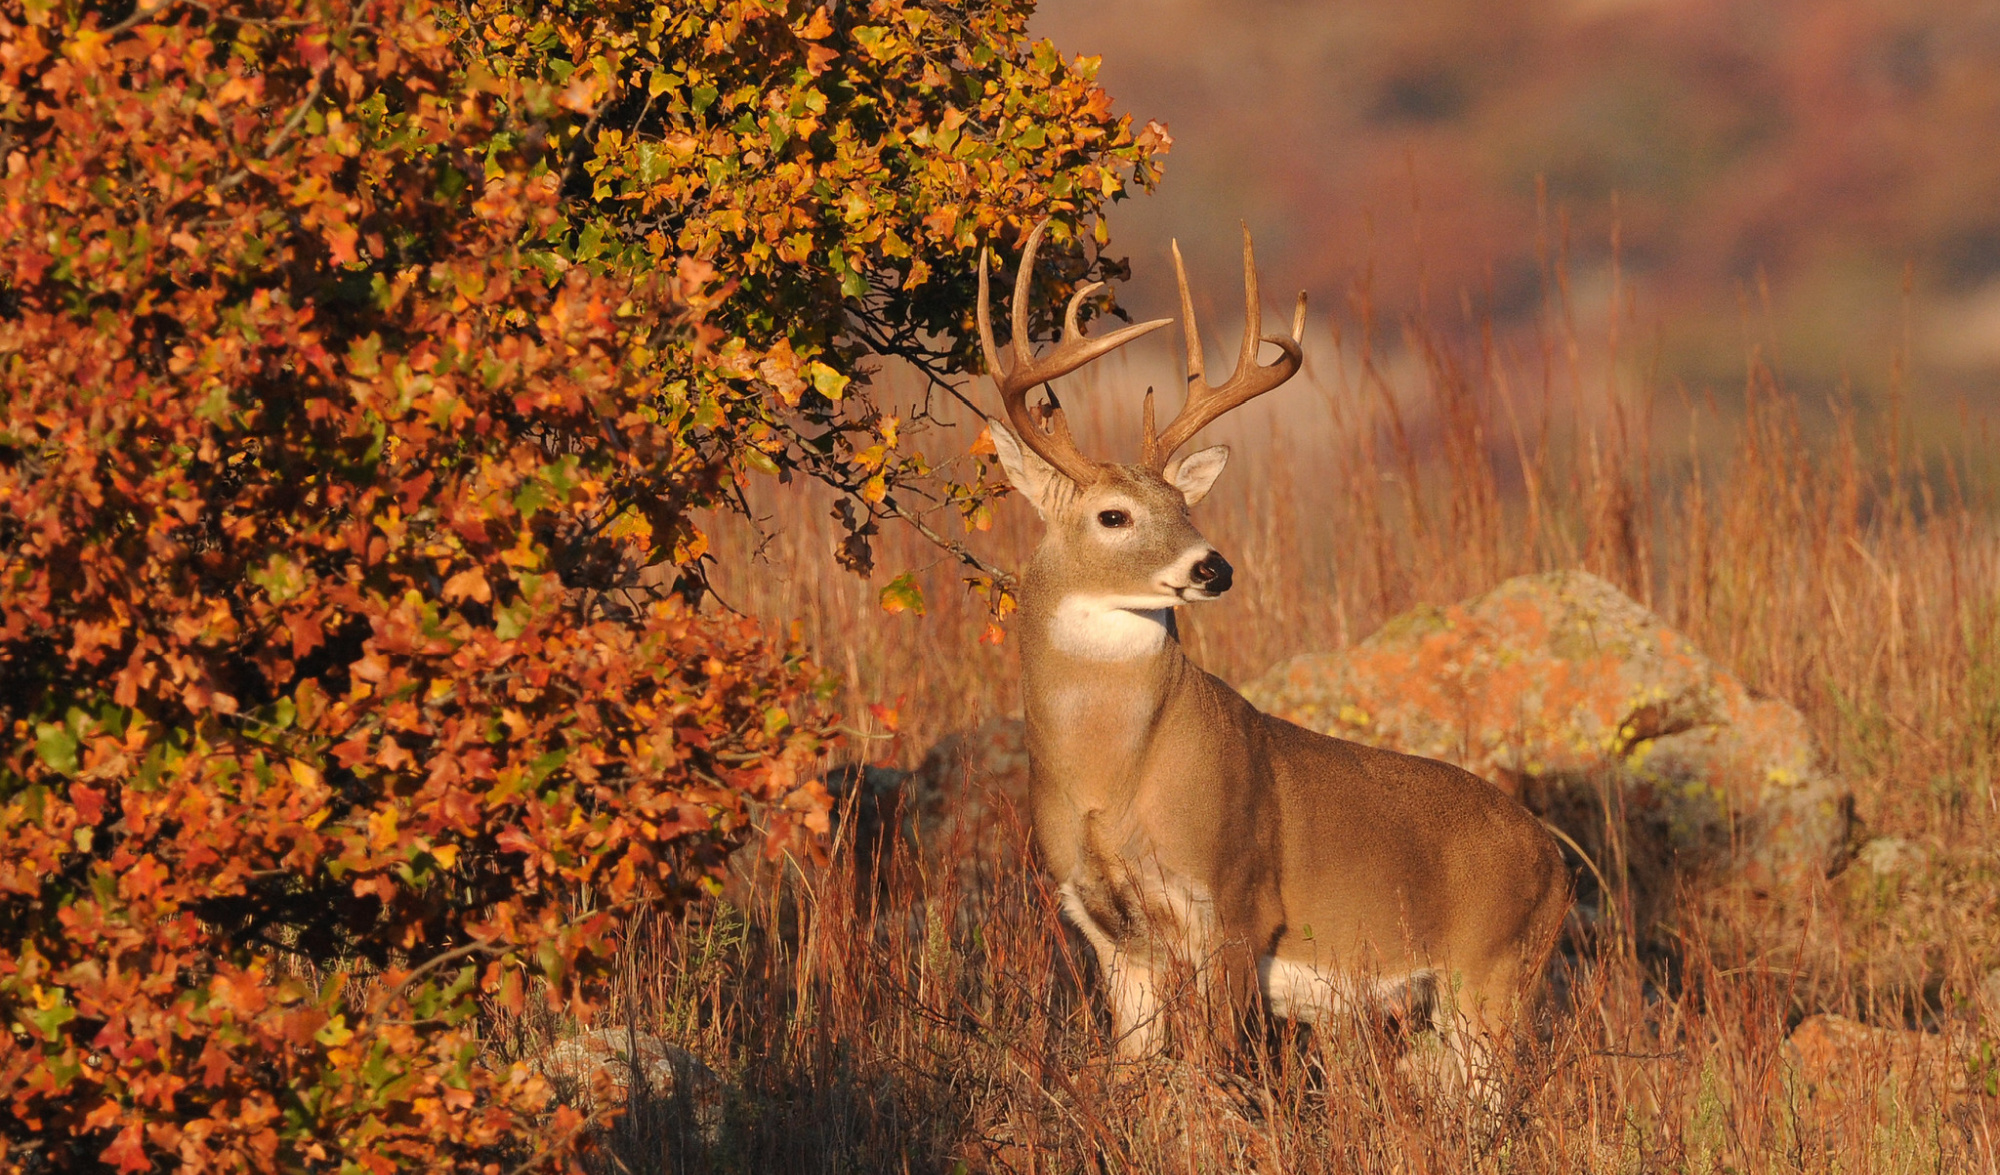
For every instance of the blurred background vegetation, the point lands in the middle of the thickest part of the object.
(1812, 180)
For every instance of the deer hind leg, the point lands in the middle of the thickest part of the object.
(1471, 1057)
(1467, 1056)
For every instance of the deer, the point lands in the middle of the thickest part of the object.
(1270, 868)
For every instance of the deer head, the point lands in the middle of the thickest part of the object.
(1119, 536)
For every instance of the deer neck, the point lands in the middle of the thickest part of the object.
(1097, 677)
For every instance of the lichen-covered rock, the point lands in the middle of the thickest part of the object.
(609, 1068)
(1551, 685)
(1831, 1050)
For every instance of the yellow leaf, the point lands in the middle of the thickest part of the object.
(382, 829)
(632, 525)
(334, 1032)
(826, 381)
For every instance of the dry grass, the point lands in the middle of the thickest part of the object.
(943, 1021)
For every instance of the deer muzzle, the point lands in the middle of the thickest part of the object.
(1211, 574)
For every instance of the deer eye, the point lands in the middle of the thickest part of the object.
(1113, 518)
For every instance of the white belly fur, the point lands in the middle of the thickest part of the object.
(1292, 990)
(1302, 991)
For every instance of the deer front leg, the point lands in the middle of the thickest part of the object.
(1130, 987)
(1137, 1018)
(1231, 994)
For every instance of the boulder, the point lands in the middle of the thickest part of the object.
(967, 800)
(613, 1068)
(969, 779)
(1832, 1050)
(1892, 856)
(1565, 692)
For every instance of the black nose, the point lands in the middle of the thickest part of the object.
(1211, 573)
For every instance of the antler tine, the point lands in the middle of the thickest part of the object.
(1206, 402)
(1054, 443)
(1024, 284)
(1253, 310)
(1070, 329)
(1197, 367)
(986, 342)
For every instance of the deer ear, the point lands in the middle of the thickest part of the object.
(1197, 472)
(1026, 471)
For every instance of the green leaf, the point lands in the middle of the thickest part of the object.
(280, 578)
(509, 623)
(532, 497)
(48, 1022)
(364, 357)
(56, 746)
(65, 1068)
(546, 764)
(902, 594)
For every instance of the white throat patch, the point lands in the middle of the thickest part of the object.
(1109, 628)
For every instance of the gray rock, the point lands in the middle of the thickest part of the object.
(1891, 856)
(971, 778)
(596, 1070)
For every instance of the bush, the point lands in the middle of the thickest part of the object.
(364, 365)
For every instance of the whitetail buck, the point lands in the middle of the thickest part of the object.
(1191, 834)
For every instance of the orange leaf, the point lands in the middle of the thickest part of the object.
(469, 584)
(88, 802)
(340, 241)
(128, 1151)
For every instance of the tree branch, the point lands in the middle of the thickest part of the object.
(1003, 580)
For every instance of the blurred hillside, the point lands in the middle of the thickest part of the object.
(1770, 171)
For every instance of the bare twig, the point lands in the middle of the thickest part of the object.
(957, 550)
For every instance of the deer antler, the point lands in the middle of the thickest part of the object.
(1250, 379)
(1055, 445)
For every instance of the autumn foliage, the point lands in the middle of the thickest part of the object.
(364, 366)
